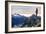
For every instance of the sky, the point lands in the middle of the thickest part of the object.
(25, 10)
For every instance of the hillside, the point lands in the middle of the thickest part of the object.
(23, 21)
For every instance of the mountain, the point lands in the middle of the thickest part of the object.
(23, 21)
(18, 19)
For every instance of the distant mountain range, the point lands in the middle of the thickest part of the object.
(23, 21)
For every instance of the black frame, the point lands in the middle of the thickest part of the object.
(6, 16)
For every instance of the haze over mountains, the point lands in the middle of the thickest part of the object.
(25, 10)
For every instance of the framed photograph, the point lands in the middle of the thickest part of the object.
(23, 16)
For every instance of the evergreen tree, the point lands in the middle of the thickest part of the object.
(36, 11)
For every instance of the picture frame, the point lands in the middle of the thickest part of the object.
(11, 6)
